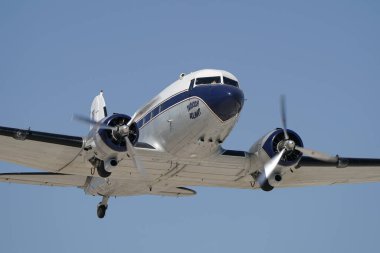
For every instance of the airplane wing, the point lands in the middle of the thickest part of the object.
(63, 157)
(312, 172)
(62, 180)
(46, 151)
(43, 178)
(64, 154)
(234, 168)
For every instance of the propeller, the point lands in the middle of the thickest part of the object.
(287, 145)
(87, 120)
(141, 111)
(317, 155)
(290, 145)
(283, 116)
(268, 171)
(136, 161)
(123, 131)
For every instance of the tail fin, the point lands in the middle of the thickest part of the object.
(98, 108)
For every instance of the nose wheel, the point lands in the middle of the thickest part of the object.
(102, 207)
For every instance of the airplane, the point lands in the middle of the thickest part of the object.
(172, 143)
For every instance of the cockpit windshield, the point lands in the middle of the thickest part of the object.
(229, 81)
(214, 80)
(208, 80)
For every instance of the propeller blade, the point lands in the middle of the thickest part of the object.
(269, 167)
(141, 111)
(132, 119)
(84, 119)
(132, 153)
(283, 116)
(272, 163)
(317, 155)
(88, 120)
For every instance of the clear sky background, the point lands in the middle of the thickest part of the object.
(324, 55)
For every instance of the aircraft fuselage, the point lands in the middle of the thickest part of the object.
(190, 120)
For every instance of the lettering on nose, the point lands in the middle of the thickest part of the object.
(193, 109)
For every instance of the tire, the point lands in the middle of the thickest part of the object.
(102, 172)
(101, 211)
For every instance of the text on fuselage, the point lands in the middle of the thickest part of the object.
(193, 109)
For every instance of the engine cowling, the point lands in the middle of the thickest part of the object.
(112, 138)
(109, 142)
(269, 146)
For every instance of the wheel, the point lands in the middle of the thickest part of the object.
(101, 211)
(102, 172)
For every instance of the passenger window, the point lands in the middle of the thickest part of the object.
(164, 106)
(229, 81)
(208, 80)
(155, 111)
(147, 118)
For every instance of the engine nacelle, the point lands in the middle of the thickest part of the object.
(267, 183)
(266, 148)
(108, 143)
(109, 164)
(270, 145)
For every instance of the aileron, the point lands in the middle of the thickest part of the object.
(59, 139)
(43, 178)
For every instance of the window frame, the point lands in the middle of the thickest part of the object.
(208, 77)
(237, 83)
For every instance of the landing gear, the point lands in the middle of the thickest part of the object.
(101, 211)
(99, 165)
(102, 207)
(102, 172)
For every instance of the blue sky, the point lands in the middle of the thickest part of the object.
(55, 56)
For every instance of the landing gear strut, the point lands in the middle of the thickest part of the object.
(99, 165)
(102, 207)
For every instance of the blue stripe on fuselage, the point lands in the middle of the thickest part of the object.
(224, 100)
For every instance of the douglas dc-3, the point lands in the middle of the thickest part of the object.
(171, 143)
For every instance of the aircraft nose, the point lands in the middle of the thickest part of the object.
(230, 101)
(224, 100)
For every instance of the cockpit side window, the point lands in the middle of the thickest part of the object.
(191, 84)
(229, 81)
(208, 80)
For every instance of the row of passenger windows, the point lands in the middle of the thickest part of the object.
(214, 80)
(162, 107)
(152, 114)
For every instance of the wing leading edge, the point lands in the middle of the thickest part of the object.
(46, 151)
(312, 172)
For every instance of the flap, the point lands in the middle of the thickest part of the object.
(43, 178)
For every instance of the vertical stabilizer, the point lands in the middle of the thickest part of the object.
(98, 108)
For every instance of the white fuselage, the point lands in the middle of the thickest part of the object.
(185, 121)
